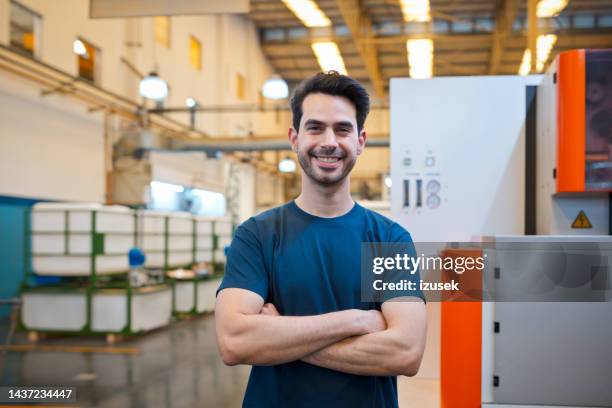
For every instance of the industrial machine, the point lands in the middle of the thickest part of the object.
(574, 138)
(514, 156)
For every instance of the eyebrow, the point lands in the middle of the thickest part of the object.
(344, 123)
(318, 122)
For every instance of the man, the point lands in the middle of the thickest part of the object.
(290, 303)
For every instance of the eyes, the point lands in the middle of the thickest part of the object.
(339, 130)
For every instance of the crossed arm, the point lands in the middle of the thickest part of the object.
(352, 341)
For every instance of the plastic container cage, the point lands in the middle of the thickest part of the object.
(87, 239)
(81, 239)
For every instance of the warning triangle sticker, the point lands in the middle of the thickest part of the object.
(581, 221)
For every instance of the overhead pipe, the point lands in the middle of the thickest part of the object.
(211, 149)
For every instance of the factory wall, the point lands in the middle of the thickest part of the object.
(49, 147)
(229, 47)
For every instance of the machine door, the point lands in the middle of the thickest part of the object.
(553, 353)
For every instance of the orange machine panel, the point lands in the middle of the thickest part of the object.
(571, 123)
(461, 340)
(584, 121)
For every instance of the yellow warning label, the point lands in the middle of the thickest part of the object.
(581, 221)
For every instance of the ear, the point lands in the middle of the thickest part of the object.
(293, 134)
(361, 141)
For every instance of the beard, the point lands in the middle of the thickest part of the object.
(322, 176)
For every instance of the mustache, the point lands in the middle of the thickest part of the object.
(328, 153)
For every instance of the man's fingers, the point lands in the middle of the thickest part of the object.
(377, 321)
(269, 309)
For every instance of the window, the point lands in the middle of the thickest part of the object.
(162, 30)
(195, 52)
(240, 92)
(88, 60)
(25, 29)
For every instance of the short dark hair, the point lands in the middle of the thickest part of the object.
(331, 83)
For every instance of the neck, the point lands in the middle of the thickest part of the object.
(325, 200)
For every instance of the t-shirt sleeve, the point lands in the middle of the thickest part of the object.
(245, 268)
(401, 243)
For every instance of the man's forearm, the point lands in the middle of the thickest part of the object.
(382, 353)
(397, 350)
(258, 339)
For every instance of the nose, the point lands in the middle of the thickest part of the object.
(329, 139)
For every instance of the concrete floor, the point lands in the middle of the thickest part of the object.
(176, 367)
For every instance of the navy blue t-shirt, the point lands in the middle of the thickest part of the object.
(309, 265)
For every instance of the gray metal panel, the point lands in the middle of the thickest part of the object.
(554, 354)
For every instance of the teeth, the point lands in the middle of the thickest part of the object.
(328, 159)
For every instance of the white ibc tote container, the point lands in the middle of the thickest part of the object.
(180, 241)
(204, 239)
(152, 237)
(223, 229)
(81, 239)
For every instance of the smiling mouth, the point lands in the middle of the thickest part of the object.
(328, 159)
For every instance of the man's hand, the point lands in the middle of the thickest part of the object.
(394, 350)
(269, 309)
(374, 321)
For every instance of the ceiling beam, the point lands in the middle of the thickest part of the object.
(506, 13)
(455, 38)
(461, 69)
(532, 31)
(597, 37)
(359, 24)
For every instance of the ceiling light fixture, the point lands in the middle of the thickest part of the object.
(544, 46)
(420, 58)
(415, 10)
(153, 87)
(287, 165)
(79, 48)
(550, 8)
(329, 57)
(275, 88)
(308, 12)
(191, 103)
(388, 181)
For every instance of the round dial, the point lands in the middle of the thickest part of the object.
(433, 201)
(433, 186)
